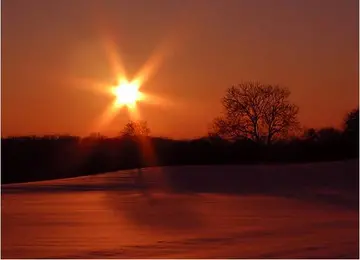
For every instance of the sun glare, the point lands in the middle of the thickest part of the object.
(127, 93)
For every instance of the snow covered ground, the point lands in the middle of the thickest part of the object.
(105, 216)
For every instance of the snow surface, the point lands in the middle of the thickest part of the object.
(105, 216)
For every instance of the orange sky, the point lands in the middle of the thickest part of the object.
(53, 50)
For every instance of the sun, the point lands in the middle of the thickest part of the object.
(127, 93)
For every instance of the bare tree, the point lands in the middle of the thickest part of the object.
(136, 128)
(256, 111)
(351, 122)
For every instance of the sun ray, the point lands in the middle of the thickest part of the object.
(106, 117)
(157, 100)
(102, 25)
(114, 59)
(155, 61)
(134, 113)
(90, 85)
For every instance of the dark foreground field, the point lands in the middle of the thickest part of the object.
(289, 211)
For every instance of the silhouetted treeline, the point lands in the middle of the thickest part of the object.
(39, 158)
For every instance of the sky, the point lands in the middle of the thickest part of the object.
(53, 52)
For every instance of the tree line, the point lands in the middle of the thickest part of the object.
(259, 124)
